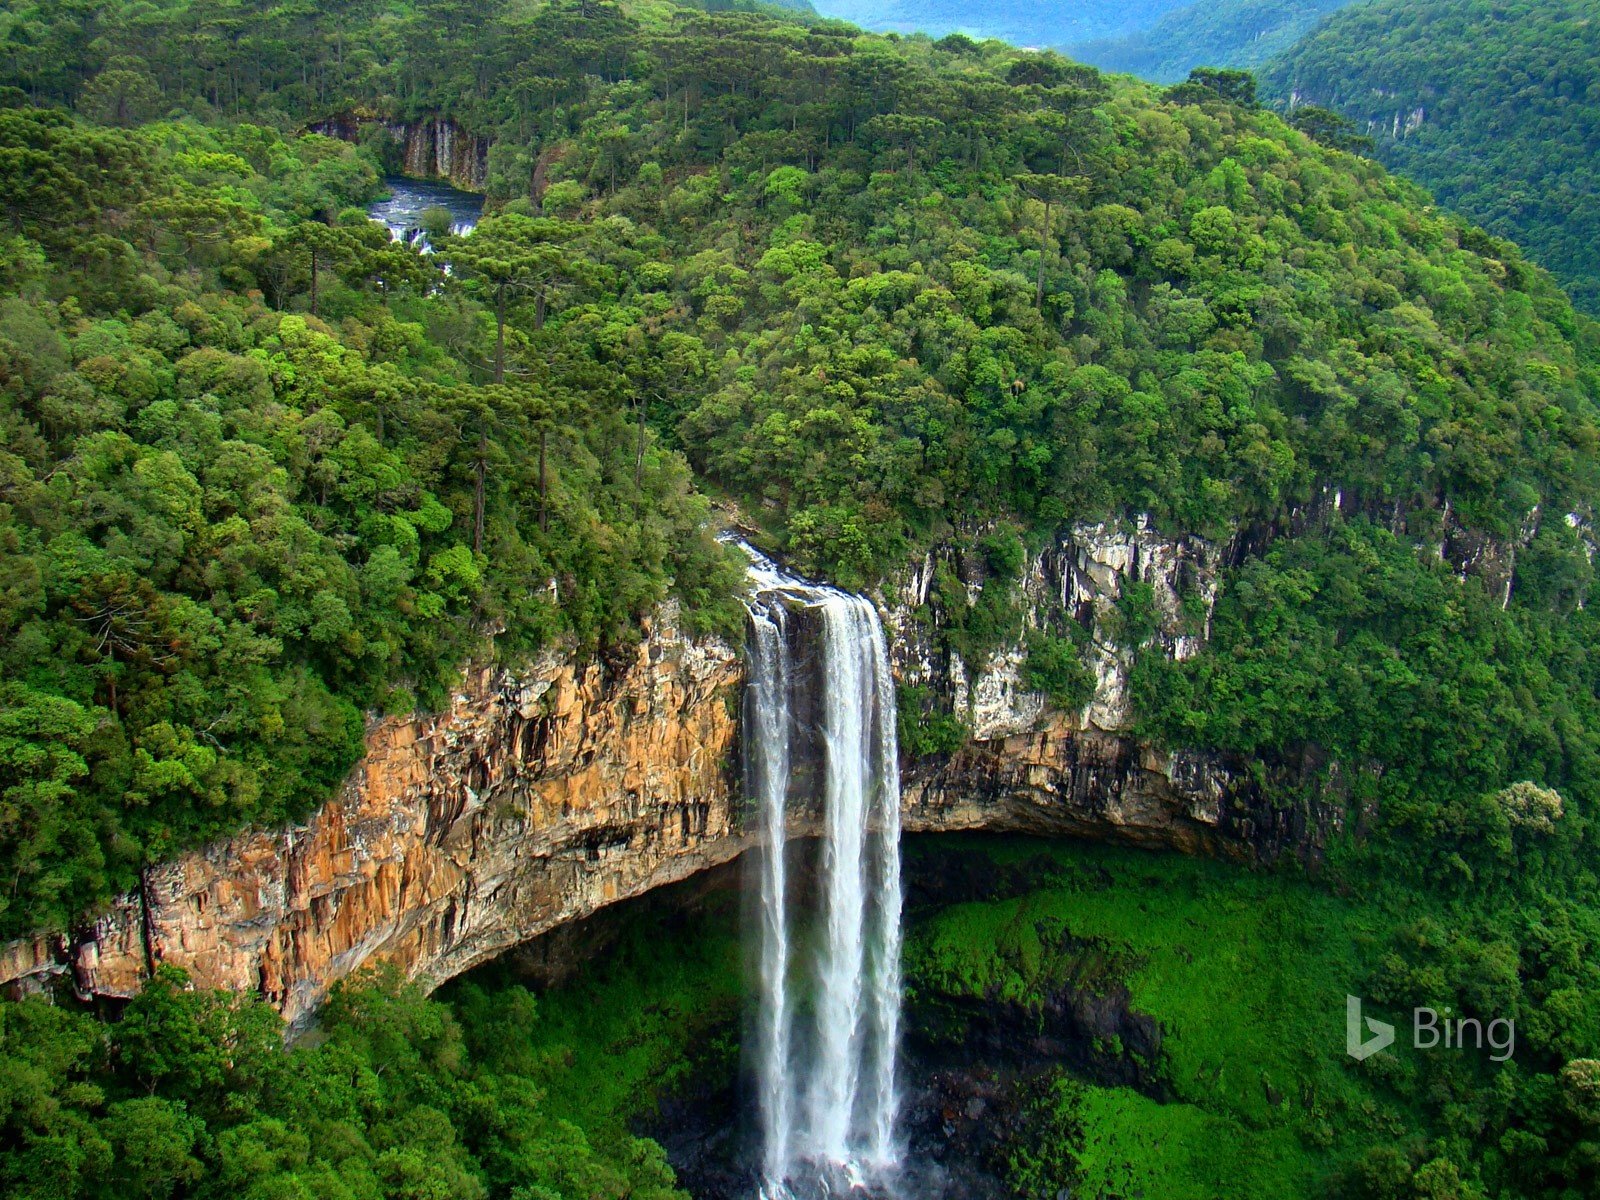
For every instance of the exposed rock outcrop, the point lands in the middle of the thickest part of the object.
(537, 798)
(544, 794)
(1079, 580)
(430, 147)
(1029, 769)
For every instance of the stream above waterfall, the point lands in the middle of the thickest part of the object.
(401, 211)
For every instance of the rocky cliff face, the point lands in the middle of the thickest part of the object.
(1079, 581)
(430, 148)
(1030, 769)
(537, 798)
(545, 794)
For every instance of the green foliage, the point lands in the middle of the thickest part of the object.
(1214, 83)
(654, 1014)
(924, 727)
(1207, 318)
(975, 626)
(1055, 667)
(192, 1093)
(1330, 128)
(229, 528)
(265, 473)
(1247, 975)
(1492, 105)
(1350, 649)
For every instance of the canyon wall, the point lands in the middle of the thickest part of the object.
(547, 793)
(1030, 769)
(538, 797)
(430, 147)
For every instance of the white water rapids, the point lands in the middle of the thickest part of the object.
(828, 1014)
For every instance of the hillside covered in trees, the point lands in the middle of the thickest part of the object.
(863, 286)
(266, 471)
(1495, 107)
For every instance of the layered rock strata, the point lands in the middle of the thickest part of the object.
(546, 793)
(430, 147)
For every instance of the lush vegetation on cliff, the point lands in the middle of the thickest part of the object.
(1494, 106)
(241, 506)
(875, 284)
(1347, 653)
(266, 470)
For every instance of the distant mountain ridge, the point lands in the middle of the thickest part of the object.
(1021, 22)
(1212, 33)
(1160, 40)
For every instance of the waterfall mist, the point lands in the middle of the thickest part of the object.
(828, 1004)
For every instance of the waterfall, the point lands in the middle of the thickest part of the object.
(825, 1070)
(767, 733)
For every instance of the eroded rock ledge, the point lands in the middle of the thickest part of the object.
(546, 794)
(537, 798)
(430, 147)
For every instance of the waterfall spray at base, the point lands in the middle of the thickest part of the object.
(827, 1022)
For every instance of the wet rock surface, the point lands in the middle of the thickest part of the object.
(430, 147)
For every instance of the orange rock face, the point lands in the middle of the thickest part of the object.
(547, 793)
(536, 799)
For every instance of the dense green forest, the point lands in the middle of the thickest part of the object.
(269, 470)
(1219, 33)
(192, 1093)
(234, 523)
(265, 472)
(1493, 106)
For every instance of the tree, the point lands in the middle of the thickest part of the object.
(1332, 129)
(508, 254)
(124, 93)
(1049, 190)
(1212, 83)
(663, 366)
(43, 742)
(906, 131)
(323, 246)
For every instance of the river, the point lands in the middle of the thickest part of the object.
(401, 212)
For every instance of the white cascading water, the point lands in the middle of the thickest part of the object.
(767, 766)
(826, 1078)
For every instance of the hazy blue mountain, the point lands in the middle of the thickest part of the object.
(1212, 33)
(1022, 22)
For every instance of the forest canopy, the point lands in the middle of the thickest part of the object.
(1492, 105)
(268, 471)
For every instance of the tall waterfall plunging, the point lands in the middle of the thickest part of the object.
(828, 1014)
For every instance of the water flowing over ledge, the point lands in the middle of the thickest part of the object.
(820, 681)
(551, 789)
